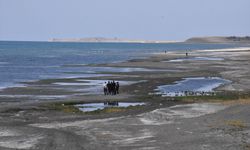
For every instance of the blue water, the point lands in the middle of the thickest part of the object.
(25, 61)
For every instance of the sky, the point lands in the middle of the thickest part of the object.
(41, 20)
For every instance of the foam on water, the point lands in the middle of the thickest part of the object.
(3, 63)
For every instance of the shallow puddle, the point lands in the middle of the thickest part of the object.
(192, 86)
(195, 59)
(100, 106)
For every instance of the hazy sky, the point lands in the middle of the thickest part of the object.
(132, 19)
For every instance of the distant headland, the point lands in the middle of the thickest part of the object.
(219, 39)
(208, 39)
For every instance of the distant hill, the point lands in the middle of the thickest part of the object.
(106, 40)
(219, 39)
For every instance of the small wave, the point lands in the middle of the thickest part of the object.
(48, 56)
(2, 87)
(4, 63)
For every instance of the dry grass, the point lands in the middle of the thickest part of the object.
(247, 147)
(114, 110)
(240, 101)
(65, 108)
(236, 123)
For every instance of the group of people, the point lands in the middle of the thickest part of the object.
(111, 88)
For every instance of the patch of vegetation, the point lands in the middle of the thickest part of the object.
(236, 124)
(107, 110)
(67, 108)
(247, 147)
(244, 95)
(114, 109)
(148, 97)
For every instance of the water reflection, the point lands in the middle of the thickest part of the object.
(100, 106)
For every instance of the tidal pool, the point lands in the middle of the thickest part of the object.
(196, 59)
(100, 106)
(192, 86)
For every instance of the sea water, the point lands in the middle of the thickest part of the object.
(26, 61)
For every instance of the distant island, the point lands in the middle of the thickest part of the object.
(219, 39)
(107, 40)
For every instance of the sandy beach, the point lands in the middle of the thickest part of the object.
(41, 115)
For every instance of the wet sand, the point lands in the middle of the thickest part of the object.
(29, 120)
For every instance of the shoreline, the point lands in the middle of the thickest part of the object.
(49, 120)
(149, 65)
(153, 61)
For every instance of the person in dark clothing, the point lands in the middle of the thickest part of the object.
(117, 86)
(109, 88)
(113, 88)
(105, 88)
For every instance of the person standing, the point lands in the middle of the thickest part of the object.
(109, 87)
(117, 86)
(105, 88)
(113, 88)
